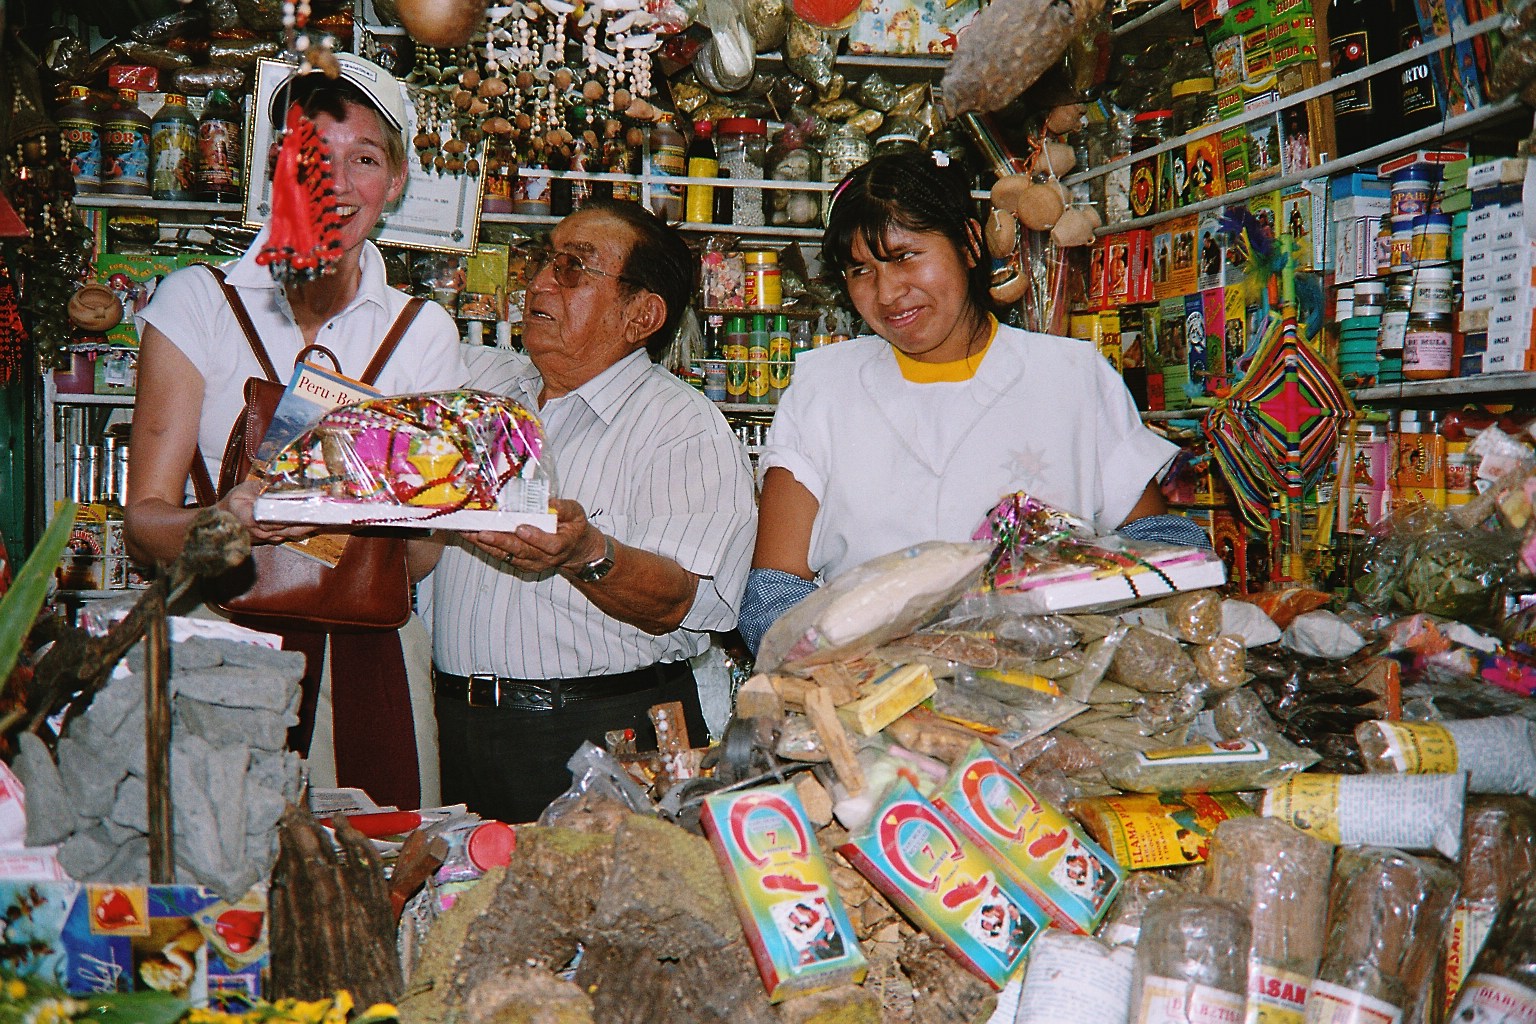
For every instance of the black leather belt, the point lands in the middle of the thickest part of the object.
(483, 690)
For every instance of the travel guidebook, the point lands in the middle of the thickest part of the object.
(312, 392)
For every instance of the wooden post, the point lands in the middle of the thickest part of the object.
(157, 739)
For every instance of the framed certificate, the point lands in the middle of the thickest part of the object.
(436, 211)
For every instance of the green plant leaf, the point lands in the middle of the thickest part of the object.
(29, 587)
(133, 1008)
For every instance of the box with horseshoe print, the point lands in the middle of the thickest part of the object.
(1067, 873)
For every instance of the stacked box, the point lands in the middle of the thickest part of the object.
(1498, 268)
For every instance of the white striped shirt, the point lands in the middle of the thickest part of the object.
(655, 466)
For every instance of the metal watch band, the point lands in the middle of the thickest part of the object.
(593, 571)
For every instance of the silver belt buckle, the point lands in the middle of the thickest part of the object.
(477, 681)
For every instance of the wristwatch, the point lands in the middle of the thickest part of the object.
(595, 570)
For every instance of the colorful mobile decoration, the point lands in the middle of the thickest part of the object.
(1274, 436)
(304, 239)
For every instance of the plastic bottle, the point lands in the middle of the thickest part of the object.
(703, 162)
(219, 150)
(80, 121)
(822, 337)
(618, 158)
(780, 357)
(173, 148)
(125, 147)
(736, 344)
(669, 158)
(757, 361)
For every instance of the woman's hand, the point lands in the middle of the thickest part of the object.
(241, 503)
(528, 549)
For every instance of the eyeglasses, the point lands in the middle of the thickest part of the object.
(566, 266)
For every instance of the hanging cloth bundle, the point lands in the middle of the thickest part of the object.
(304, 239)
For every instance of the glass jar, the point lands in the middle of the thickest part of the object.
(903, 132)
(1394, 317)
(1194, 104)
(1427, 347)
(846, 148)
(742, 145)
(790, 159)
(1150, 128)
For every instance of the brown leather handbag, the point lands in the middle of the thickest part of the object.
(278, 588)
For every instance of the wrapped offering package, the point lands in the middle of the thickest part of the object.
(457, 460)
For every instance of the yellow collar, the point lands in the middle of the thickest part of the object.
(951, 372)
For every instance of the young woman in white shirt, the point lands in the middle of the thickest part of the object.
(915, 432)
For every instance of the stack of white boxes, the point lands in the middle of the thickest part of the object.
(1498, 272)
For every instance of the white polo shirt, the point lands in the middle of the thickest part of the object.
(894, 463)
(191, 310)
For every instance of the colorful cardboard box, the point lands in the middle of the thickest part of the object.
(946, 884)
(179, 939)
(1067, 873)
(796, 926)
(133, 280)
(909, 26)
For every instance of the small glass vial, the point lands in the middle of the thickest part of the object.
(1394, 317)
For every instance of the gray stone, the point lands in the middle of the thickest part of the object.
(129, 864)
(224, 726)
(197, 652)
(232, 686)
(91, 775)
(118, 702)
(51, 814)
(131, 807)
(119, 835)
(287, 664)
(85, 853)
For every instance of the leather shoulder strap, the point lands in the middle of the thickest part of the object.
(243, 318)
(392, 340)
(202, 483)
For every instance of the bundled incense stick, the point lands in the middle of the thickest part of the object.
(1279, 876)
(1185, 970)
(1386, 914)
(1498, 860)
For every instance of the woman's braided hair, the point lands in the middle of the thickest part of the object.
(906, 190)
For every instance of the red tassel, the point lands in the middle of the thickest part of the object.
(304, 236)
(13, 333)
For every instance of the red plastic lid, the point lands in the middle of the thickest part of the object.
(1152, 115)
(490, 845)
(703, 127)
(742, 126)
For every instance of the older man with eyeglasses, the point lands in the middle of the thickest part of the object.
(543, 640)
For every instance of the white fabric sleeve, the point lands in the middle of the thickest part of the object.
(794, 443)
(1130, 455)
(182, 309)
(693, 504)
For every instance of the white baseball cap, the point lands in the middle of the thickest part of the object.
(379, 86)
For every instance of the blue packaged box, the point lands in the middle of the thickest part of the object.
(183, 940)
